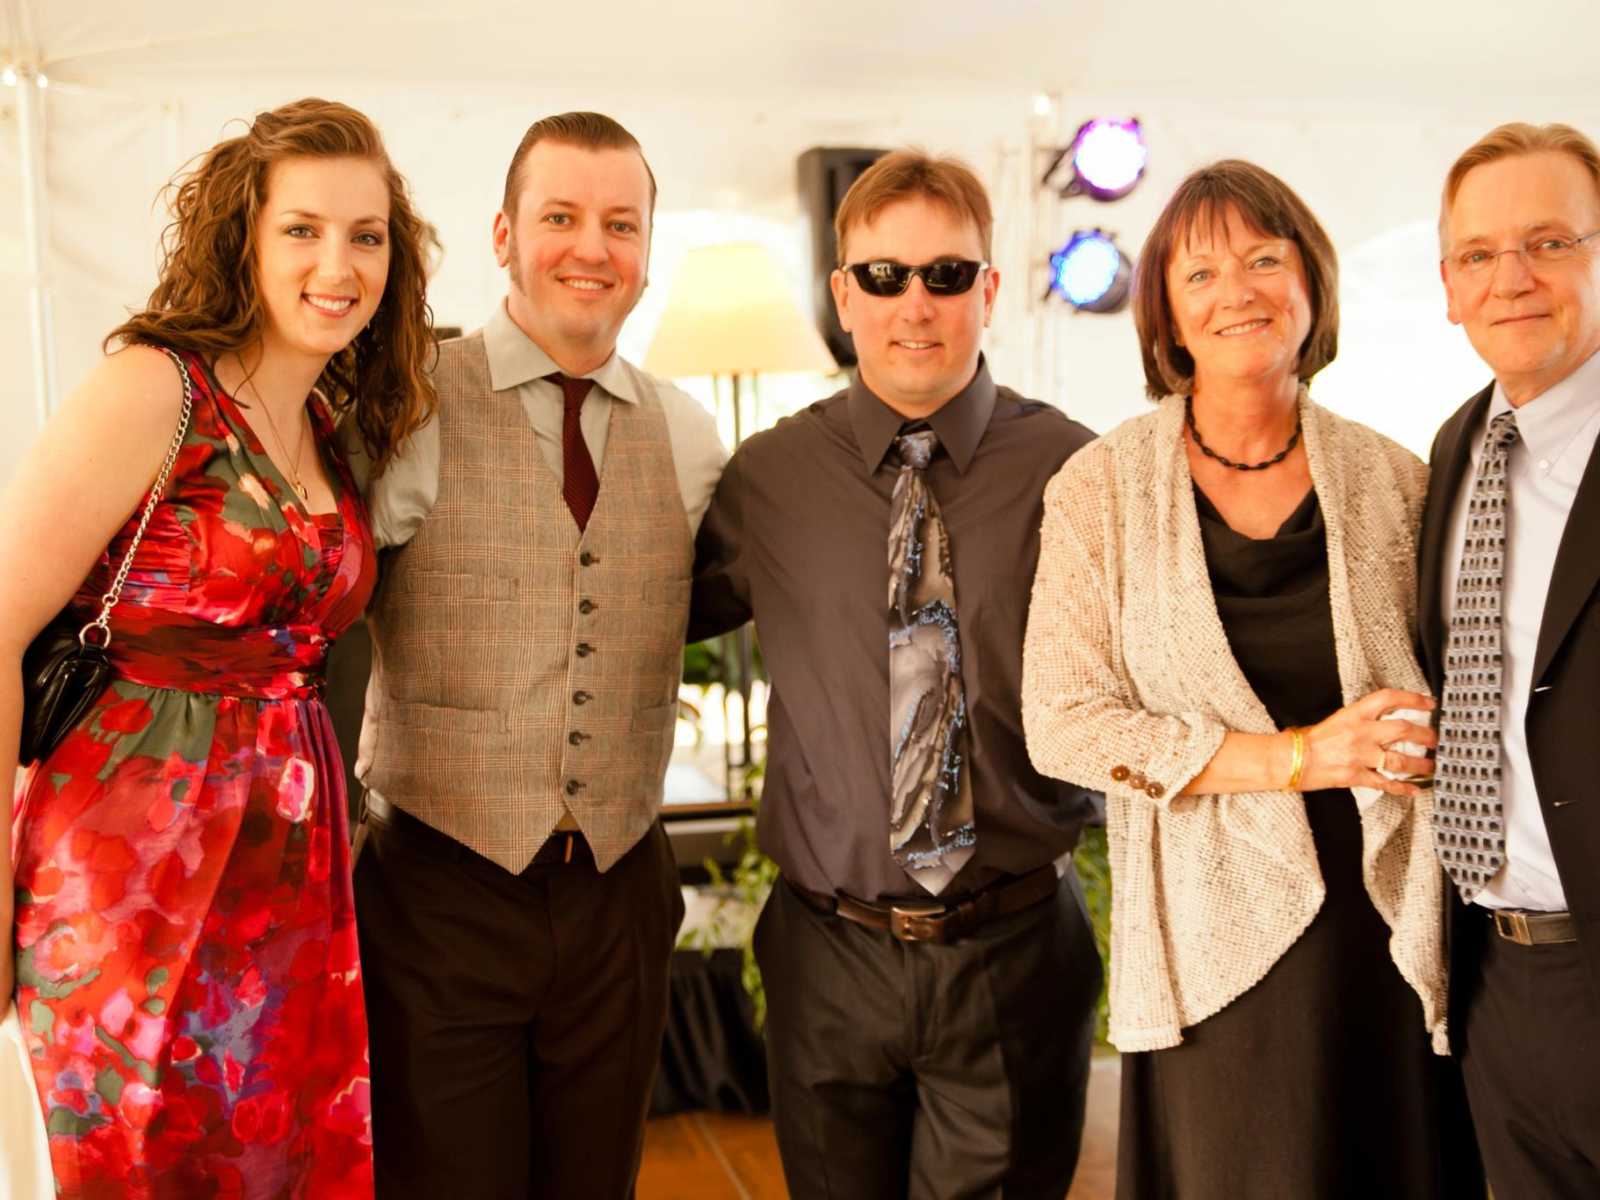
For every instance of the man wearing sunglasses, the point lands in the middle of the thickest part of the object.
(930, 976)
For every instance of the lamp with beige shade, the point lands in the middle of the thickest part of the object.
(732, 314)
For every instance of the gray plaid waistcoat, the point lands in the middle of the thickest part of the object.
(520, 668)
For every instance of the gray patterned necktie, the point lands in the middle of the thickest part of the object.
(931, 831)
(1468, 815)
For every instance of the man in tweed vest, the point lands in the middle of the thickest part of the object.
(517, 898)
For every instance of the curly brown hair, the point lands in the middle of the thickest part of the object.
(204, 302)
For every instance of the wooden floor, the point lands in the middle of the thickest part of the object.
(709, 1156)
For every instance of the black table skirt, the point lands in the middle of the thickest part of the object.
(712, 1058)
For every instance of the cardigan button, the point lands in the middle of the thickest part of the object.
(1154, 791)
(1137, 781)
(1119, 772)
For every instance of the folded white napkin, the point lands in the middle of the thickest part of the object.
(25, 1161)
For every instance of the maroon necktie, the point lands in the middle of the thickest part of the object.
(580, 486)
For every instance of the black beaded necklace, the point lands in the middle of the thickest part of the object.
(1294, 440)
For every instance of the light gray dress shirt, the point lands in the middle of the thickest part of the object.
(403, 496)
(1558, 429)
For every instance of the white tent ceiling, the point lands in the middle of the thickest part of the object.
(1390, 49)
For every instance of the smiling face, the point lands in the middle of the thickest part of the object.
(322, 253)
(1240, 303)
(577, 249)
(916, 351)
(1533, 324)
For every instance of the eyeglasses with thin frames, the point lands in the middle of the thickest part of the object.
(1548, 249)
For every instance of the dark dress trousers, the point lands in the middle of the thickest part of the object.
(1526, 1019)
(903, 1067)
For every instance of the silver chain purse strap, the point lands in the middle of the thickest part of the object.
(157, 490)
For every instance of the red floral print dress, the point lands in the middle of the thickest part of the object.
(188, 979)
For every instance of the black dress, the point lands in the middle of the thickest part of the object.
(1318, 1083)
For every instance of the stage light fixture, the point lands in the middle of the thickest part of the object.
(1107, 159)
(1091, 272)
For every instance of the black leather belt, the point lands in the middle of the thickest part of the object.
(934, 920)
(561, 848)
(1527, 928)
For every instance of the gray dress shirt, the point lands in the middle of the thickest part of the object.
(797, 536)
(403, 496)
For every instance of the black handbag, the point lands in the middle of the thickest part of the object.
(66, 668)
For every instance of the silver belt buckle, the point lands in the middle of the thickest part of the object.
(1513, 926)
(913, 921)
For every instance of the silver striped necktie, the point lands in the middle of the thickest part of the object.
(1468, 814)
(931, 830)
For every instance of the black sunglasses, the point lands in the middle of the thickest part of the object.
(949, 277)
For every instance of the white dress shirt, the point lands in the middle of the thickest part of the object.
(402, 498)
(1557, 429)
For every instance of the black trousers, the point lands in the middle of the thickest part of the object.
(515, 1020)
(1531, 1057)
(919, 1070)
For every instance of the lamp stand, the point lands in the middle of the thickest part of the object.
(738, 651)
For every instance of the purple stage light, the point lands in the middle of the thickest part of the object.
(1107, 157)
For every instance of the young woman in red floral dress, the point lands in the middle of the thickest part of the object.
(182, 947)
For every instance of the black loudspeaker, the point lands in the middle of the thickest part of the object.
(826, 174)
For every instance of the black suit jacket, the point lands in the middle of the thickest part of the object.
(1563, 717)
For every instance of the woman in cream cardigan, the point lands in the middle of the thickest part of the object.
(1221, 627)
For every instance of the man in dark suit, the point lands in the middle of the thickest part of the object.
(1510, 622)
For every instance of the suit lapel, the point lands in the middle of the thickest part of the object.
(1577, 568)
(1452, 453)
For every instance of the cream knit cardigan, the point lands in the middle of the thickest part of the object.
(1126, 664)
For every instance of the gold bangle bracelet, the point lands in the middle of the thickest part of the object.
(1299, 759)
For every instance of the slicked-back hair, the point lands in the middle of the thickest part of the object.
(1202, 202)
(1506, 141)
(587, 130)
(904, 174)
(207, 298)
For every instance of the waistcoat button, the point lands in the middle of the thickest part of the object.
(581, 697)
(584, 649)
(573, 787)
(587, 560)
(575, 738)
(586, 607)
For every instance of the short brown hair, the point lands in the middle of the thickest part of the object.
(207, 298)
(1513, 138)
(1265, 203)
(587, 130)
(901, 174)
